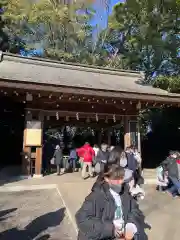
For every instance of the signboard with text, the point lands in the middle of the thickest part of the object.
(33, 134)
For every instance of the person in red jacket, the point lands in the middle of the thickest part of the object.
(86, 155)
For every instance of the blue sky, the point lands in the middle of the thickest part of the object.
(101, 14)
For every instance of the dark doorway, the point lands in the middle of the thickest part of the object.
(11, 131)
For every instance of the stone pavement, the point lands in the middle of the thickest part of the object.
(38, 214)
(159, 208)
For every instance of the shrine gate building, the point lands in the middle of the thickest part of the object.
(51, 93)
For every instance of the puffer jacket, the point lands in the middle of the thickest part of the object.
(172, 165)
(95, 218)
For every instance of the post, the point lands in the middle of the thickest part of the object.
(99, 137)
(38, 162)
(109, 137)
(127, 141)
(139, 136)
(25, 160)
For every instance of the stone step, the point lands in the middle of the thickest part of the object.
(150, 176)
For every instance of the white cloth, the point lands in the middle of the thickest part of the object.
(162, 180)
(123, 162)
(96, 150)
(137, 190)
(138, 157)
(119, 218)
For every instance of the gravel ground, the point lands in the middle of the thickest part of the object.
(38, 214)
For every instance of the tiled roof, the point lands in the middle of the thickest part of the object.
(42, 71)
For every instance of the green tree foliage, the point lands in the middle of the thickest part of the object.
(62, 30)
(146, 34)
(3, 35)
(170, 83)
(141, 35)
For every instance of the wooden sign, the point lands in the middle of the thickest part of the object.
(33, 134)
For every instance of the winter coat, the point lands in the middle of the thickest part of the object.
(102, 156)
(58, 156)
(131, 162)
(172, 166)
(95, 218)
(100, 161)
(73, 154)
(86, 152)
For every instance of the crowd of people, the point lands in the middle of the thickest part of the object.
(111, 210)
(168, 174)
(94, 159)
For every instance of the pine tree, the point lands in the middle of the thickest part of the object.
(3, 36)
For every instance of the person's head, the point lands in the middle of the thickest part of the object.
(135, 150)
(57, 147)
(173, 154)
(95, 146)
(115, 155)
(114, 175)
(131, 148)
(86, 142)
(128, 149)
(104, 147)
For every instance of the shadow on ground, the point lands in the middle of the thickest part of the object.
(9, 174)
(33, 229)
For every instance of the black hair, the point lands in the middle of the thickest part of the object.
(115, 155)
(112, 171)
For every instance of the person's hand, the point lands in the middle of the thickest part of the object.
(129, 235)
(118, 233)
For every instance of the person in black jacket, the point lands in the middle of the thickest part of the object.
(102, 157)
(172, 165)
(131, 160)
(58, 156)
(109, 212)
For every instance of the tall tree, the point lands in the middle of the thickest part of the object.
(3, 36)
(145, 33)
(62, 30)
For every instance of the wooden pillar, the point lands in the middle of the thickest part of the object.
(127, 141)
(132, 132)
(139, 136)
(109, 137)
(26, 150)
(38, 162)
(99, 137)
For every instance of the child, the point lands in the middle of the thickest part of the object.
(162, 179)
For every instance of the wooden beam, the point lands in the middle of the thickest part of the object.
(91, 92)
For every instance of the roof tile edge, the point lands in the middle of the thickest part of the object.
(73, 66)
